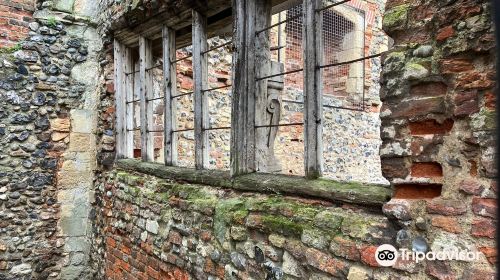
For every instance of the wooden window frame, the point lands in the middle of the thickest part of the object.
(248, 17)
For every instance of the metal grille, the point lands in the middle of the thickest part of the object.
(286, 47)
(343, 37)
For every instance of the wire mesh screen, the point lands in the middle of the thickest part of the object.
(343, 35)
(286, 52)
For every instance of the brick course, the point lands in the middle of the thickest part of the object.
(15, 16)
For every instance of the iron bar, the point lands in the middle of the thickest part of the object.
(133, 72)
(343, 108)
(293, 101)
(182, 130)
(217, 47)
(276, 48)
(153, 67)
(332, 5)
(147, 69)
(133, 101)
(216, 88)
(217, 128)
(349, 61)
(279, 74)
(324, 105)
(156, 98)
(181, 59)
(278, 23)
(278, 125)
(134, 129)
(183, 94)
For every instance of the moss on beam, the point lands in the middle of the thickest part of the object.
(350, 192)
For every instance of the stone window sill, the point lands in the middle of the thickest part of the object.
(350, 192)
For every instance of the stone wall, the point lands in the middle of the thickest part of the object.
(48, 84)
(437, 122)
(438, 119)
(161, 229)
(57, 148)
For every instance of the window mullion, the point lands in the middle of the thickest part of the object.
(129, 106)
(119, 50)
(200, 68)
(170, 88)
(313, 113)
(146, 92)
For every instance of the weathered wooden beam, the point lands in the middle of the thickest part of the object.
(120, 97)
(200, 69)
(352, 192)
(265, 160)
(313, 109)
(129, 109)
(169, 87)
(146, 92)
(243, 90)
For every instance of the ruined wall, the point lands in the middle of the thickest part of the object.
(161, 229)
(437, 122)
(438, 119)
(47, 143)
(14, 19)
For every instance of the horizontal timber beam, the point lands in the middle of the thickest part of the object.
(349, 192)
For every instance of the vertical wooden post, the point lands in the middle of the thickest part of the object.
(120, 97)
(169, 87)
(146, 92)
(313, 113)
(243, 89)
(129, 107)
(200, 68)
(264, 159)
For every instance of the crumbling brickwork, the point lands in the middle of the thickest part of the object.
(14, 19)
(68, 210)
(159, 229)
(438, 122)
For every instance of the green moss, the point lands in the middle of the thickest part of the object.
(11, 49)
(304, 213)
(282, 225)
(203, 204)
(395, 17)
(240, 215)
(133, 191)
(51, 22)
(356, 226)
(328, 220)
(224, 215)
(395, 57)
(129, 179)
(358, 190)
(280, 205)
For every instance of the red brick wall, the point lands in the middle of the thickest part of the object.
(14, 18)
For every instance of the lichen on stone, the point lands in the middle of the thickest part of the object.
(395, 17)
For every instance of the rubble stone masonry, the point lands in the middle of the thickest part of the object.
(48, 89)
(69, 210)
